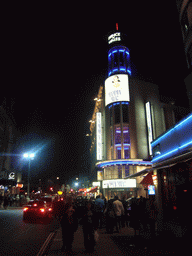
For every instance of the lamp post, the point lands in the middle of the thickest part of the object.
(29, 157)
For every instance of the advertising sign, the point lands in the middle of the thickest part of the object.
(149, 126)
(119, 183)
(114, 37)
(116, 89)
(99, 136)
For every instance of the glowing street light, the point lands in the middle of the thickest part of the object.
(29, 157)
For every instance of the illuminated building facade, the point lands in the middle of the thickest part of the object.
(128, 116)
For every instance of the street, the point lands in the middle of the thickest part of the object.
(22, 238)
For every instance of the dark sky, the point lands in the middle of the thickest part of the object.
(53, 67)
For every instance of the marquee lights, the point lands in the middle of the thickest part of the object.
(175, 141)
(123, 162)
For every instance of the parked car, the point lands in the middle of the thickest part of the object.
(37, 209)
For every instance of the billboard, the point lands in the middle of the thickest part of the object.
(116, 89)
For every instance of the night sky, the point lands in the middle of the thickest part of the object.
(53, 67)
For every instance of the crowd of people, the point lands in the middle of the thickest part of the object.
(94, 214)
(10, 200)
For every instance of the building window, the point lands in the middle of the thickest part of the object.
(127, 152)
(125, 113)
(115, 60)
(117, 113)
(117, 135)
(118, 150)
(126, 170)
(121, 59)
(126, 135)
(119, 172)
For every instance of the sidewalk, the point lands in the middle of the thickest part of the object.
(12, 208)
(123, 243)
(105, 246)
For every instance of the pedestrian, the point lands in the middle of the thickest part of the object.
(17, 198)
(5, 204)
(89, 226)
(119, 212)
(99, 210)
(125, 216)
(69, 223)
(110, 216)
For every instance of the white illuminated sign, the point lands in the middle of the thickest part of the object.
(99, 136)
(119, 183)
(116, 89)
(114, 37)
(149, 126)
(11, 176)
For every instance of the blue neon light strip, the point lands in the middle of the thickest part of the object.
(168, 132)
(120, 162)
(172, 151)
(121, 69)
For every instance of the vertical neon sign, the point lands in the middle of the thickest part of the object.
(149, 125)
(99, 136)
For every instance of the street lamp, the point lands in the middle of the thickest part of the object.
(29, 157)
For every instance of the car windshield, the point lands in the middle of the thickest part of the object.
(38, 203)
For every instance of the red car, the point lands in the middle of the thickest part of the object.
(37, 209)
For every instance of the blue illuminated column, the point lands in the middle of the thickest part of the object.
(119, 61)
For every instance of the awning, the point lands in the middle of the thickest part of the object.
(141, 173)
(147, 180)
(93, 190)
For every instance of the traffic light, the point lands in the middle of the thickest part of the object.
(51, 188)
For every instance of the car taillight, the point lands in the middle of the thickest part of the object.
(42, 210)
(35, 205)
(25, 209)
(50, 209)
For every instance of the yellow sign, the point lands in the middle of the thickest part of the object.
(60, 192)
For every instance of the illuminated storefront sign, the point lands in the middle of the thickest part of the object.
(114, 37)
(149, 126)
(11, 176)
(116, 89)
(119, 183)
(99, 136)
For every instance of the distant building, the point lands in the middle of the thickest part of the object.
(185, 18)
(7, 175)
(127, 117)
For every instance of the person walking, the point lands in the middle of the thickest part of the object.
(6, 202)
(88, 221)
(99, 209)
(110, 216)
(119, 212)
(69, 223)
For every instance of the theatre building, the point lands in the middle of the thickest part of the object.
(128, 116)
